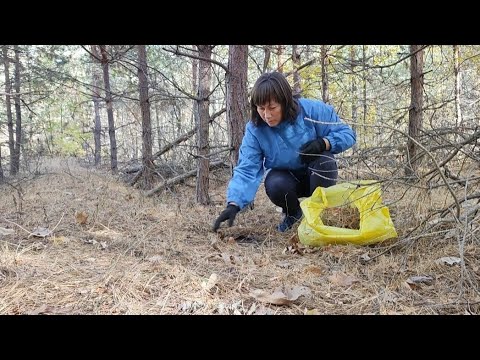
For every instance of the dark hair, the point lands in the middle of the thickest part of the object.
(273, 86)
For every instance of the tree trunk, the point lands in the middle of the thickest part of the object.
(97, 123)
(1, 168)
(296, 76)
(279, 58)
(8, 91)
(18, 112)
(415, 113)
(456, 69)
(193, 117)
(364, 95)
(323, 55)
(266, 58)
(202, 116)
(109, 103)
(237, 101)
(354, 93)
(147, 160)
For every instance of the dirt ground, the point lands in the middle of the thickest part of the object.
(75, 240)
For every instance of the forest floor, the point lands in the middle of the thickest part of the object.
(77, 240)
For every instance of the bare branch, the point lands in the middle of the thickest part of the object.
(176, 52)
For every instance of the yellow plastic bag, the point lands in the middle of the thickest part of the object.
(366, 195)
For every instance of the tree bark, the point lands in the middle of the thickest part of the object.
(296, 76)
(237, 101)
(203, 117)
(147, 159)
(109, 103)
(354, 93)
(96, 98)
(266, 58)
(280, 58)
(456, 69)
(323, 55)
(364, 95)
(8, 105)
(18, 112)
(1, 168)
(415, 113)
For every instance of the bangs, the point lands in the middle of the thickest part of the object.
(264, 93)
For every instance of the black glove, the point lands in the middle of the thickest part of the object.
(316, 146)
(229, 213)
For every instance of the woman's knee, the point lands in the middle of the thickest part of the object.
(279, 182)
(326, 161)
(324, 171)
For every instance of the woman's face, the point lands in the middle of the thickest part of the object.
(271, 113)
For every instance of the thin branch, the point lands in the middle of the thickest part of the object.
(176, 52)
(447, 183)
(308, 63)
(90, 53)
(178, 178)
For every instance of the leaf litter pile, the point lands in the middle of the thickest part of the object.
(76, 240)
(346, 217)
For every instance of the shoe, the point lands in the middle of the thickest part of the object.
(289, 220)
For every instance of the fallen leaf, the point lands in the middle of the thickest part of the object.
(422, 279)
(262, 310)
(293, 249)
(40, 232)
(280, 297)
(59, 239)
(295, 292)
(212, 281)
(364, 258)
(42, 309)
(314, 270)
(214, 244)
(106, 235)
(81, 217)
(408, 286)
(101, 290)
(284, 264)
(341, 279)
(312, 312)
(449, 260)
(277, 298)
(38, 245)
(228, 258)
(252, 309)
(334, 250)
(294, 239)
(4, 231)
(155, 259)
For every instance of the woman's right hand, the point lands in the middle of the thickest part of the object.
(228, 214)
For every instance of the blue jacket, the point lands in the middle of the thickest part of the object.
(265, 147)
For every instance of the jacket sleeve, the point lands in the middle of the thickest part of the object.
(330, 126)
(248, 173)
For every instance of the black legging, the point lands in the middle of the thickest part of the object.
(284, 187)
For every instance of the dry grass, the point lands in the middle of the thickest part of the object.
(137, 255)
(344, 216)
